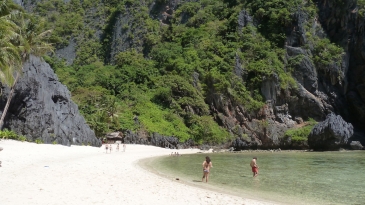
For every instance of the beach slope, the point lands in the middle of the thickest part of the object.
(53, 174)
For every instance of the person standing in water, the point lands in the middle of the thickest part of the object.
(254, 167)
(207, 164)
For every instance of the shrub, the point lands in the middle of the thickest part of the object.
(22, 138)
(300, 134)
(39, 141)
(8, 134)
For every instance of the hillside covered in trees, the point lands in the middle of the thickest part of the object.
(248, 72)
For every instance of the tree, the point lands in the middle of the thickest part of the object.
(9, 53)
(31, 40)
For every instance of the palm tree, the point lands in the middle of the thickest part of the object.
(31, 40)
(9, 53)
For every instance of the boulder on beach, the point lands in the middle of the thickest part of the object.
(331, 134)
(356, 145)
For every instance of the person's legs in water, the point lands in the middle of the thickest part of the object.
(255, 171)
(206, 177)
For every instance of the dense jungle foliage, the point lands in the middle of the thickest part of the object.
(167, 82)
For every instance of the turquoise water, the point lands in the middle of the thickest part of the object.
(284, 177)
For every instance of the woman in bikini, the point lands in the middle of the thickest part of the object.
(207, 164)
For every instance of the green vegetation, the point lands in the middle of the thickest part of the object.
(172, 74)
(300, 134)
(8, 134)
(39, 141)
(155, 91)
(21, 35)
(275, 16)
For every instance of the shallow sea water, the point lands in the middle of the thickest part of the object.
(284, 177)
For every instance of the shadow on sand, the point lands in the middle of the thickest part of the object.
(197, 181)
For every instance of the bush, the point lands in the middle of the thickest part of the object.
(8, 134)
(300, 134)
(22, 138)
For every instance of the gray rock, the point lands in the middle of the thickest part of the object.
(330, 134)
(41, 108)
(133, 138)
(356, 145)
(204, 147)
(299, 120)
(162, 141)
(244, 19)
(270, 87)
(68, 53)
(156, 139)
(239, 144)
(238, 69)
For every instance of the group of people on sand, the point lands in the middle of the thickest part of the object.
(207, 164)
(176, 154)
(110, 147)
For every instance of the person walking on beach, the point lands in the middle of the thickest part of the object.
(124, 146)
(111, 147)
(1, 149)
(118, 147)
(207, 164)
(254, 167)
(106, 148)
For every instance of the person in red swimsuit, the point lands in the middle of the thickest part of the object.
(254, 166)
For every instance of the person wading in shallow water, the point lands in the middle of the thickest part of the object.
(254, 166)
(207, 164)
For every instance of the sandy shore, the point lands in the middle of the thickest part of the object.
(54, 174)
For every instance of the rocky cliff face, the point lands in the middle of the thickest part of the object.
(335, 88)
(349, 33)
(42, 109)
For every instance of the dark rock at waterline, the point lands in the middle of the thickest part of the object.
(41, 108)
(239, 144)
(330, 134)
(129, 137)
(162, 141)
(356, 145)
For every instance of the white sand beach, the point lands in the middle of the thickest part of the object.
(53, 174)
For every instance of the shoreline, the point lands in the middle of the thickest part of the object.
(145, 164)
(45, 174)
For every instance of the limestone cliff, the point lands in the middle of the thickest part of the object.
(42, 109)
(337, 87)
